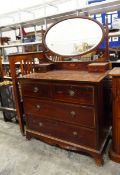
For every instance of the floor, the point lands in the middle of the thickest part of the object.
(21, 157)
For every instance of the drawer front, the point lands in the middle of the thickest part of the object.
(75, 94)
(71, 133)
(36, 90)
(76, 114)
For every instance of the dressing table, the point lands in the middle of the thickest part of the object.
(65, 106)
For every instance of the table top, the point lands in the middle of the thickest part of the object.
(115, 72)
(68, 75)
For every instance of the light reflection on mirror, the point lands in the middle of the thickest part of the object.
(74, 36)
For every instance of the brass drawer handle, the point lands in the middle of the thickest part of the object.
(75, 133)
(40, 124)
(72, 113)
(38, 107)
(36, 89)
(71, 93)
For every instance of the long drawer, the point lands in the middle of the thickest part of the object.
(36, 89)
(82, 94)
(71, 133)
(76, 114)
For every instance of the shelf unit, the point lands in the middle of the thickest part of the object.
(116, 62)
(17, 45)
(20, 44)
(114, 34)
(26, 43)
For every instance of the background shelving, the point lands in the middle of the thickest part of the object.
(36, 21)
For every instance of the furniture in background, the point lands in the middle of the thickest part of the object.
(115, 147)
(7, 102)
(26, 66)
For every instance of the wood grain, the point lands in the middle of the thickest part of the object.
(115, 148)
(115, 71)
(69, 75)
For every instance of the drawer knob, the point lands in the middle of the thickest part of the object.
(71, 93)
(36, 89)
(40, 124)
(38, 107)
(72, 113)
(75, 133)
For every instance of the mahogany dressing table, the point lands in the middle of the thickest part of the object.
(65, 106)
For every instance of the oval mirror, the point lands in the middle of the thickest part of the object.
(74, 36)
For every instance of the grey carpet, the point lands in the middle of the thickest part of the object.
(21, 157)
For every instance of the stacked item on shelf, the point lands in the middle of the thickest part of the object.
(4, 40)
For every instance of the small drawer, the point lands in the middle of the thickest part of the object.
(98, 67)
(72, 113)
(35, 89)
(44, 67)
(60, 130)
(74, 93)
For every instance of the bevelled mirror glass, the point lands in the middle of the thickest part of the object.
(74, 36)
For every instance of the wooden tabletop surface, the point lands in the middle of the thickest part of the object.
(68, 75)
(115, 71)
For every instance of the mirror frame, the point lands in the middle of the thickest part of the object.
(73, 17)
